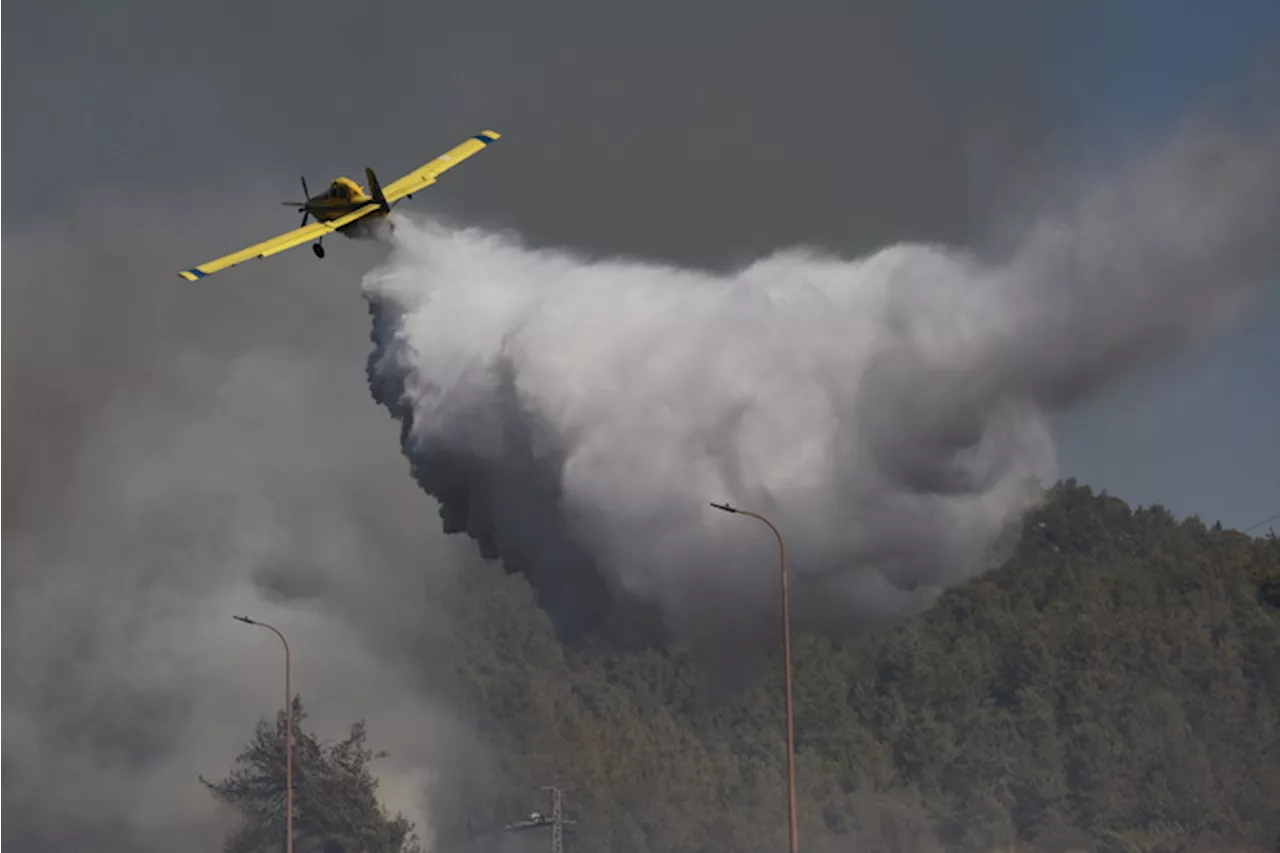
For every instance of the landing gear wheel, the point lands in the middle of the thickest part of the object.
(318, 249)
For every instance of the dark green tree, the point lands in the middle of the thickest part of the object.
(335, 804)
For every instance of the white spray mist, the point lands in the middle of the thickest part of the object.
(889, 413)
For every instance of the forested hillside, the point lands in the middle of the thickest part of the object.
(1115, 685)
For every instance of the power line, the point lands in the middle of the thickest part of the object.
(1258, 524)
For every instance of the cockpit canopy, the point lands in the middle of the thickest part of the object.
(344, 189)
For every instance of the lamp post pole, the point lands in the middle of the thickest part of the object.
(288, 734)
(786, 670)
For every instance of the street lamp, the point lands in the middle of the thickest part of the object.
(786, 670)
(288, 735)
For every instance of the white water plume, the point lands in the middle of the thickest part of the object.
(576, 416)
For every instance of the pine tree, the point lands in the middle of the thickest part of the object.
(335, 803)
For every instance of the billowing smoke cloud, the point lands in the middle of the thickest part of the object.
(575, 417)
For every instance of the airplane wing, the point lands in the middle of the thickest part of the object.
(425, 176)
(288, 240)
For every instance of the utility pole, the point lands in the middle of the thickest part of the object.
(556, 820)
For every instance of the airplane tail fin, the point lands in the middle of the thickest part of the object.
(376, 189)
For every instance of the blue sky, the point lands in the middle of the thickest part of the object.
(1198, 433)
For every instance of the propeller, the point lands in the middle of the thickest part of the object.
(301, 205)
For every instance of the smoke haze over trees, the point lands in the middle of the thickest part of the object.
(1114, 686)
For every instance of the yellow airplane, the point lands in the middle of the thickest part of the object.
(347, 208)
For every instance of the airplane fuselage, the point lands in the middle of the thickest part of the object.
(343, 196)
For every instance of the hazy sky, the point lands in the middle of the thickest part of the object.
(1199, 433)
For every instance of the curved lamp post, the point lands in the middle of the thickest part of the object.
(288, 734)
(786, 669)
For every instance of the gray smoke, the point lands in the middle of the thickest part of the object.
(575, 417)
(189, 454)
